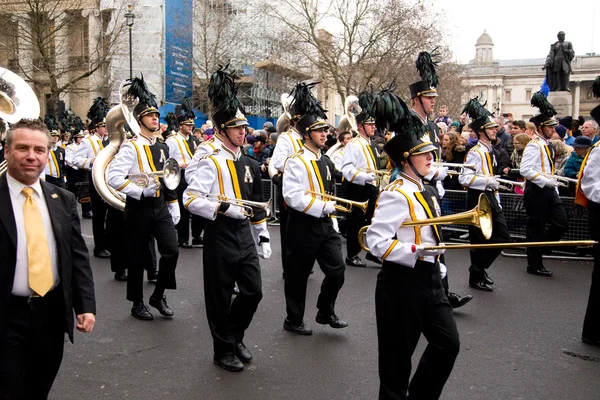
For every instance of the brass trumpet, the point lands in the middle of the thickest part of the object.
(480, 216)
(379, 174)
(505, 184)
(245, 205)
(458, 167)
(171, 175)
(350, 204)
(563, 181)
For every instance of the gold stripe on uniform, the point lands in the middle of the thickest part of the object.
(428, 211)
(318, 175)
(127, 182)
(180, 149)
(55, 164)
(413, 217)
(139, 158)
(389, 250)
(219, 176)
(234, 179)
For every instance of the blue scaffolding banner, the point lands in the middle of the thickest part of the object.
(178, 48)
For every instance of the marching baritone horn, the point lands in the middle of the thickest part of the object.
(480, 216)
(171, 175)
(350, 204)
(245, 205)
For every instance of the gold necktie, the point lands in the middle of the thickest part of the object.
(40, 268)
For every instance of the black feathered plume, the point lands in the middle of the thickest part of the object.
(187, 108)
(50, 122)
(78, 125)
(139, 89)
(98, 110)
(426, 67)
(304, 102)
(540, 101)
(172, 125)
(366, 99)
(392, 114)
(222, 91)
(475, 110)
(596, 87)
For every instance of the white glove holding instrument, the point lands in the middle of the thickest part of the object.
(419, 249)
(442, 173)
(264, 250)
(174, 211)
(493, 183)
(328, 208)
(552, 183)
(150, 190)
(235, 212)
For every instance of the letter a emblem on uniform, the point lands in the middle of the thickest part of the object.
(248, 175)
(163, 158)
(328, 173)
(438, 210)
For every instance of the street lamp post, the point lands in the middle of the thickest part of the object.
(129, 17)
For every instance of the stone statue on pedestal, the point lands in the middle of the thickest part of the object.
(558, 64)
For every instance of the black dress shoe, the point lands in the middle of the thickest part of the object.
(487, 278)
(102, 254)
(541, 272)
(590, 341)
(242, 352)
(186, 245)
(299, 329)
(481, 285)
(161, 306)
(457, 301)
(199, 242)
(332, 320)
(141, 311)
(374, 259)
(355, 262)
(229, 363)
(121, 276)
(152, 276)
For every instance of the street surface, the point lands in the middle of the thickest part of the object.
(520, 342)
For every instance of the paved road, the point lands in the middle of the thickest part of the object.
(520, 342)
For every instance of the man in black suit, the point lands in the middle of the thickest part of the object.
(45, 272)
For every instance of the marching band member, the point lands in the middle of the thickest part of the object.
(410, 297)
(179, 149)
(343, 139)
(482, 181)
(423, 96)
(230, 230)
(588, 194)
(151, 210)
(84, 159)
(542, 203)
(74, 174)
(55, 168)
(309, 228)
(361, 156)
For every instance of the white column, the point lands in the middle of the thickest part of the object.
(499, 95)
(95, 53)
(576, 98)
(490, 98)
(61, 45)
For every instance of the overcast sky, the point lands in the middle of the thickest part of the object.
(519, 28)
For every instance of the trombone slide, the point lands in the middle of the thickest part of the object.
(558, 243)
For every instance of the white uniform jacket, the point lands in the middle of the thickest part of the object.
(402, 200)
(70, 155)
(87, 151)
(537, 158)
(207, 147)
(231, 174)
(485, 163)
(52, 169)
(307, 171)
(135, 157)
(590, 178)
(288, 143)
(179, 149)
(359, 154)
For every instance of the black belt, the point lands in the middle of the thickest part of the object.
(34, 300)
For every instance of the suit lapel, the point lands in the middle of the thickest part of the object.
(54, 209)
(7, 217)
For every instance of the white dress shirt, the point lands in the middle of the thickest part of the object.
(287, 144)
(209, 146)
(590, 181)
(398, 202)
(358, 154)
(87, 151)
(536, 159)
(21, 281)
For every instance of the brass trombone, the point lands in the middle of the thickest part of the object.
(350, 204)
(245, 205)
(458, 167)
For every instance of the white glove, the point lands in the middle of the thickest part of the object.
(329, 207)
(336, 227)
(442, 173)
(264, 250)
(150, 190)
(371, 178)
(552, 183)
(419, 249)
(493, 183)
(443, 270)
(235, 212)
(174, 211)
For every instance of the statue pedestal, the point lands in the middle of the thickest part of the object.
(562, 102)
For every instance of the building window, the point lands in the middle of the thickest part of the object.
(528, 95)
(507, 96)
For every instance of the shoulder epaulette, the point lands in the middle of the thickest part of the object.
(296, 154)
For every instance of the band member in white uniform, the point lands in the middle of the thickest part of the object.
(588, 194)
(230, 253)
(542, 203)
(410, 299)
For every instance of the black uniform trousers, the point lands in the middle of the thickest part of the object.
(198, 224)
(99, 211)
(482, 259)
(546, 220)
(311, 239)
(230, 256)
(356, 219)
(283, 217)
(591, 323)
(408, 302)
(73, 177)
(31, 346)
(183, 227)
(58, 182)
(143, 218)
(117, 238)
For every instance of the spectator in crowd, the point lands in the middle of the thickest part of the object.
(518, 126)
(530, 129)
(567, 123)
(590, 129)
(248, 145)
(453, 152)
(502, 136)
(443, 128)
(561, 134)
(464, 139)
(577, 125)
(561, 154)
(463, 122)
(502, 157)
(519, 143)
(199, 134)
(208, 133)
(268, 125)
(443, 116)
(581, 147)
(454, 127)
(472, 137)
(261, 153)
